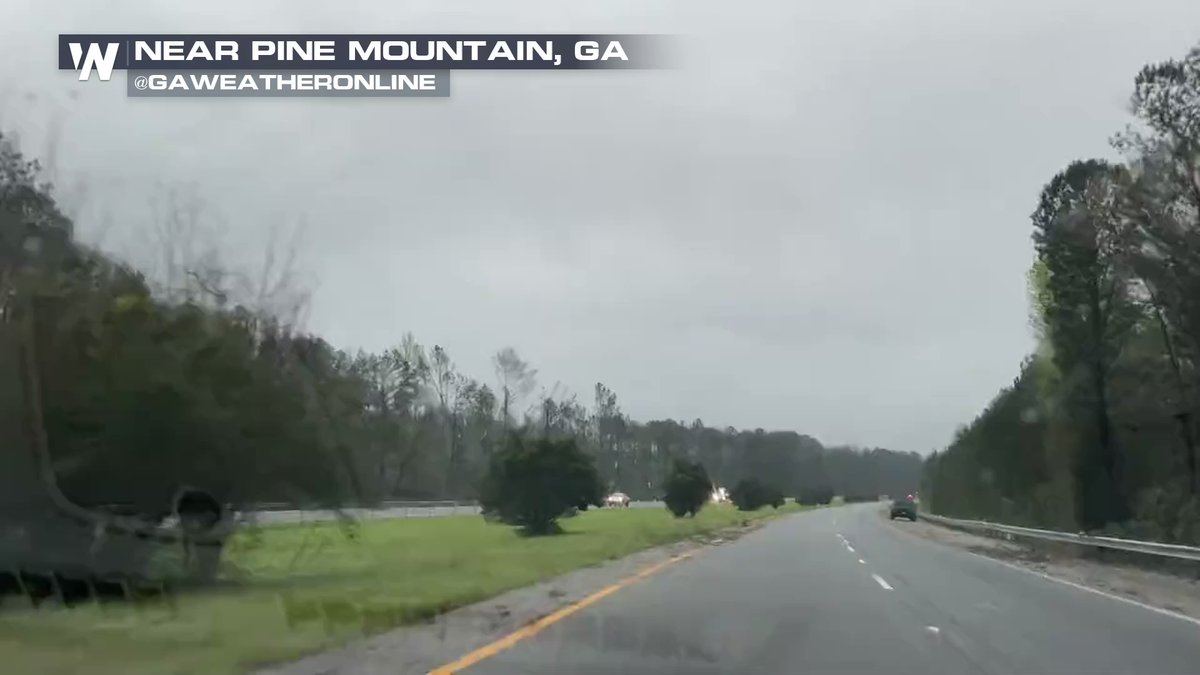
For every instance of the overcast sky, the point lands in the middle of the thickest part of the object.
(819, 223)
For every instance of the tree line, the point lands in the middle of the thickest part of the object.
(1098, 430)
(137, 390)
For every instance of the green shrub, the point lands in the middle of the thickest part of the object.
(688, 488)
(533, 483)
(752, 494)
(815, 496)
(775, 497)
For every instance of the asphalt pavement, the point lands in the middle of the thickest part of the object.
(842, 591)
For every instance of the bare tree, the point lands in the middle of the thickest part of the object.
(191, 261)
(445, 384)
(516, 379)
(441, 375)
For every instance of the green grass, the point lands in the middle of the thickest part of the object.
(392, 572)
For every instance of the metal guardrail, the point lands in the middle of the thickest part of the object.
(385, 504)
(387, 509)
(1177, 551)
(383, 510)
(268, 513)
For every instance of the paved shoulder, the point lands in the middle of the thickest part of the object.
(1008, 620)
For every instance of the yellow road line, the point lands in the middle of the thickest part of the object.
(489, 650)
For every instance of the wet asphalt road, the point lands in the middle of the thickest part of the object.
(842, 591)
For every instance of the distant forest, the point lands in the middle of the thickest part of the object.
(146, 383)
(1098, 430)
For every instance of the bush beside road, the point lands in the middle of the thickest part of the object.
(293, 590)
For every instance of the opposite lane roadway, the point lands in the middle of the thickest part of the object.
(842, 591)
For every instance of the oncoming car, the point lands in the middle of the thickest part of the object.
(617, 499)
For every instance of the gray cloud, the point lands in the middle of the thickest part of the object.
(820, 222)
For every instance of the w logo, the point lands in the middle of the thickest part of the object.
(102, 61)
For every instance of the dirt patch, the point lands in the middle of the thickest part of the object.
(1178, 592)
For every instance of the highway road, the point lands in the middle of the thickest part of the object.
(842, 591)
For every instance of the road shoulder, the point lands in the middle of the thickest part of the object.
(1171, 592)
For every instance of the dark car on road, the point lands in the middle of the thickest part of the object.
(904, 507)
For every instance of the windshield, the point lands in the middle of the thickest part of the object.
(628, 336)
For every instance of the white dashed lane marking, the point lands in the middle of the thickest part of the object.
(880, 580)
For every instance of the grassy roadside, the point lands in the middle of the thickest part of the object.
(392, 572)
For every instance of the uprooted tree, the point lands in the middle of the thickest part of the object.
(136, 397)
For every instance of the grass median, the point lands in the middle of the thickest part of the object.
(299, 589)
